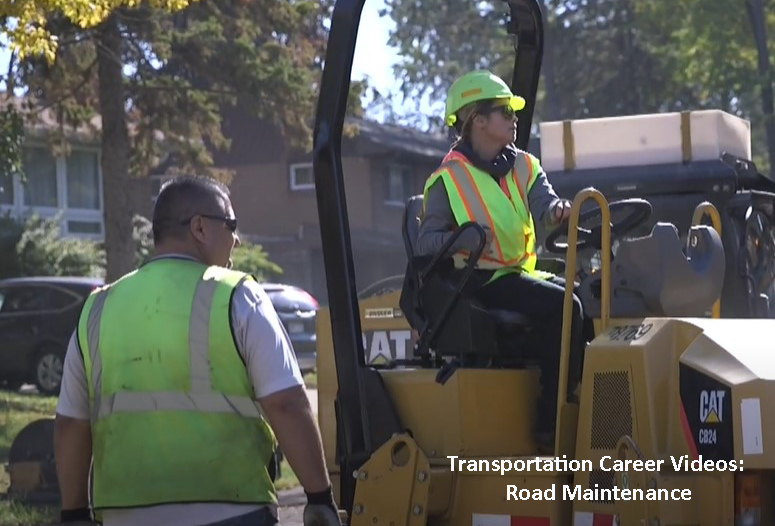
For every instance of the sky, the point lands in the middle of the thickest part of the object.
(373, 57)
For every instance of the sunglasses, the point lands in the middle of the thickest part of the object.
(506, 110)
(230, 222)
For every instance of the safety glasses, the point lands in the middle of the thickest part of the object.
(507, 107)
(230, 222)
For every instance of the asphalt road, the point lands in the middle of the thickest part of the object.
(292, 507)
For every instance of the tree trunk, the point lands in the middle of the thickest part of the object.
(551, 102)
(119, 247)
(756, 15)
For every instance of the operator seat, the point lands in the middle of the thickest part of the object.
(476, 335)
(654, 276)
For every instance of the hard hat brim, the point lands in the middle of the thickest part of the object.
(517, 103)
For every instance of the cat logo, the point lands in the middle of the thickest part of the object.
(382, 347)
(711, 407)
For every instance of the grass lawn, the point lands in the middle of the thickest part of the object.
(311, 380)
(16, 411)
(287, 478)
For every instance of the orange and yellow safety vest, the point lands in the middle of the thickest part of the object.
(474, 195)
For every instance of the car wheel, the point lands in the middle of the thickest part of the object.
(47, 371)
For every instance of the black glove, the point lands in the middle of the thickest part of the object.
(321, 509)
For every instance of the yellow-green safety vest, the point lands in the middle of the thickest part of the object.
(172, 408)
(475, 195)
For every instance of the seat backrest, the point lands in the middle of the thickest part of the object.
(468, 329)
(411, 224)
(410, 293)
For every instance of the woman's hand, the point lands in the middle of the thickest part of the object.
(560, 210)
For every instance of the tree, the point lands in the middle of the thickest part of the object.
(29, 36)
(719, 49)
(755, 11)
(603, 57)
(253, 259)
(158, 80)
(33, 247)
(11, 138)
(589, 47)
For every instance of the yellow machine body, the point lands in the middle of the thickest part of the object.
(669, 428)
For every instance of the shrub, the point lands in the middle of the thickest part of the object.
(251, 258)
(34, 247)
(41, 251)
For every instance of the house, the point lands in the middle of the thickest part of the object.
(273, 194)
(64, 181)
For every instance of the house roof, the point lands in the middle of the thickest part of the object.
(40, 120)
(378, 138)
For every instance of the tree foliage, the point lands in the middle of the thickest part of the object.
(30, 36)
(252, 258)
(11, 140)
(34, 247)
(161, 81)
(601, 57)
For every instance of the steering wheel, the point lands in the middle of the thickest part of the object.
(639, 211)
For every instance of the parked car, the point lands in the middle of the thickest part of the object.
(37, 318)
(297, 309)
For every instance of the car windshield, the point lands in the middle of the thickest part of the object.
(291, 299)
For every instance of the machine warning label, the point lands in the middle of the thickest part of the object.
(707, 408)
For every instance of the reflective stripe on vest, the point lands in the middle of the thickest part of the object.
(200, 397)
(456, 169)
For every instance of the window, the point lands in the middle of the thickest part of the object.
(6, 189)
(84, 227)
(69, 185)
(290, 299)
(34, 298)
(302, 177)
(40, 188)
(23, 299)
(399, 185)
(83, 181)
(57, 299)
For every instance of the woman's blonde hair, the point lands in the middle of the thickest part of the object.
(465, 117)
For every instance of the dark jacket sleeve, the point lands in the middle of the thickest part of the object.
(541, 196)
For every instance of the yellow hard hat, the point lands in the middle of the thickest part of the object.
(475, 86)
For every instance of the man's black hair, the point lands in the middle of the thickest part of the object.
(182, 198)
